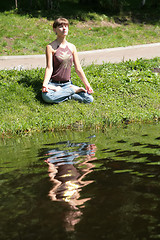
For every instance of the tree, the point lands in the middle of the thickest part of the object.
(16, 4)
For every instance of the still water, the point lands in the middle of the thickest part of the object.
(82, 185)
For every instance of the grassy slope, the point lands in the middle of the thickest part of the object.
(30, 33)
(124, 92)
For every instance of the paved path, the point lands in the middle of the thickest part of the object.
(113, 55)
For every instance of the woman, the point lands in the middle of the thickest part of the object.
(60, 55)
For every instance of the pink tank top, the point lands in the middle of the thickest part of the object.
(62, 63)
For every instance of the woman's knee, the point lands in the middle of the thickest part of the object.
(88, 99)
(47, 98)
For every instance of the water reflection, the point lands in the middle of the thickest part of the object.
(46, 186)
(67, 171)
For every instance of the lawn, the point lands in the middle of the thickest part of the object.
(123, 93)
(25, 34)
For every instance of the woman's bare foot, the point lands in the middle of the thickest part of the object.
(56, 89)
(78, 89)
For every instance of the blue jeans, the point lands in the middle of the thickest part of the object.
(65, 94)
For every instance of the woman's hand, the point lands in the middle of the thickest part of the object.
(44, 89)
(89, 89)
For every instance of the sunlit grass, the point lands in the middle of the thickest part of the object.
(123, 93)
(25, 34)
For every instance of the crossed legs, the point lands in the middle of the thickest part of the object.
(66, 91)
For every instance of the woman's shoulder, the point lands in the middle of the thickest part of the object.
(52, 46)
(71, 46)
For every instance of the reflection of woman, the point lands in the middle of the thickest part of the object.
(60, 55)
(68, 179)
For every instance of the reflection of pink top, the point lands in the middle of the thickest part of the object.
(62, 63)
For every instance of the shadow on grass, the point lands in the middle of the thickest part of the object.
(143, 16)
(33, 79)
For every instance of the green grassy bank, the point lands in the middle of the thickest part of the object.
(25, 34)
(123, 93)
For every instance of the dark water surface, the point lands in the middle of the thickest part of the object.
(82, 185)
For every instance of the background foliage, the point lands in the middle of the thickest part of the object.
(111, 5)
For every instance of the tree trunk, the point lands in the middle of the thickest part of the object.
(50, 4)
(115, 4)
(16, 4)
(143, 2)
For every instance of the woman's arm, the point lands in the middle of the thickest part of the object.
(80, 71)
(49, 68)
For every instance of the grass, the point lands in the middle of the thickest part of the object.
(123, 93)
(25, 34)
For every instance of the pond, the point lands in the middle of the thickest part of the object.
(82, 185)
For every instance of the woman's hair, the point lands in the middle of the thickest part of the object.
(60, 21)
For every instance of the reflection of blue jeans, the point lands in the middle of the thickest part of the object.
(64, 94)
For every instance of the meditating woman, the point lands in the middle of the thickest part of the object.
(60, 54)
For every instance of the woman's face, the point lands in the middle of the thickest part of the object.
(62, 30)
